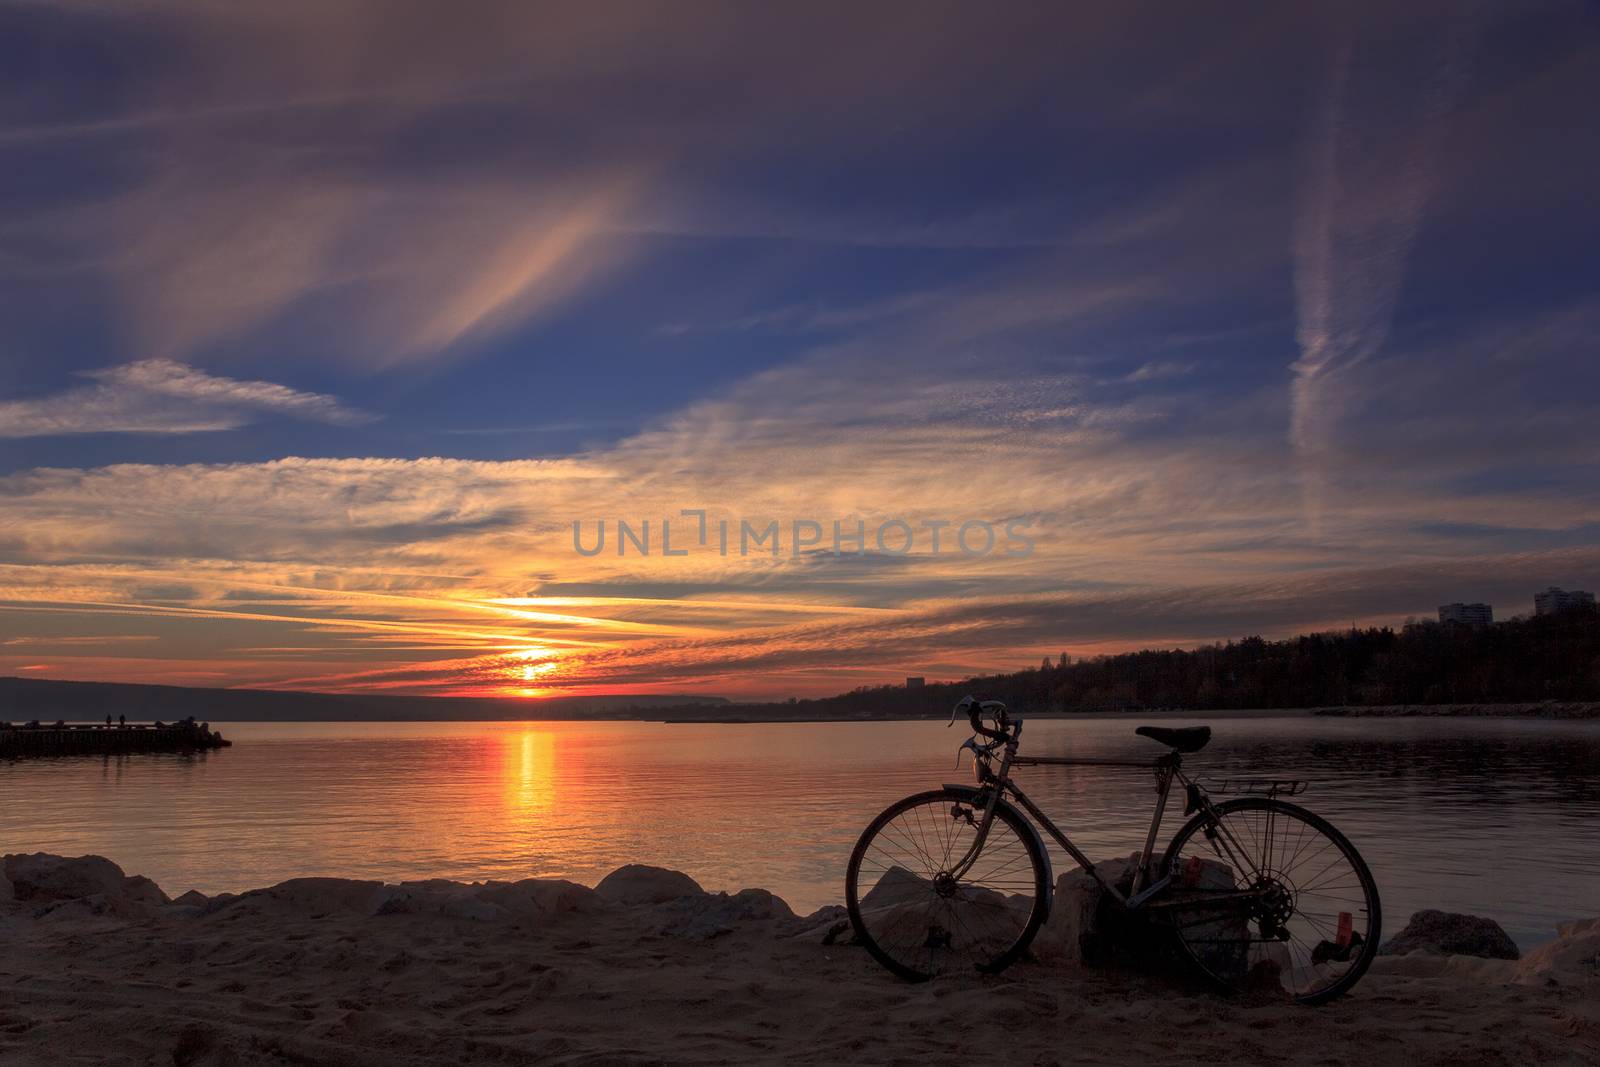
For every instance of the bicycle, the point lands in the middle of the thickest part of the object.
(1260, 893)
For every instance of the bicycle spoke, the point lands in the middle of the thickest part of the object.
(914, 910)
(1306, 926)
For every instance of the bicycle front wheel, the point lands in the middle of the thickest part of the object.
(1268, 896)
(920, 919)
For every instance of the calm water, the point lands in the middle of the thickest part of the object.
(1496, 817)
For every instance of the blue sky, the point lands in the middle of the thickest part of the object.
(1268, 321)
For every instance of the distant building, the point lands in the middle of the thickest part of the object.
(915, 682)
(1466, 614)
(1553, 601)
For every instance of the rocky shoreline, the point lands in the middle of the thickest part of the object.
(647, 967)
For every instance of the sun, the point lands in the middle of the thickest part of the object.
(522, 665)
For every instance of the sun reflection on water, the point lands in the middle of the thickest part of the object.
(530, 762)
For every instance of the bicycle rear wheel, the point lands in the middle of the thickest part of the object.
(919, 920)
(1309, 921)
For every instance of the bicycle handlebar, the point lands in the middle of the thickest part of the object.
(1006, 729)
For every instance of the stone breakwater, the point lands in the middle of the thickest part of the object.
(94, 739)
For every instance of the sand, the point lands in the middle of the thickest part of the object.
(651, 970)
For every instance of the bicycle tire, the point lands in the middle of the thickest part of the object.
(944, 912)
(1280, 860)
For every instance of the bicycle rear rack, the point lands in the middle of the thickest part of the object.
(1272, 787)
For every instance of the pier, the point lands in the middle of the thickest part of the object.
(98, 739)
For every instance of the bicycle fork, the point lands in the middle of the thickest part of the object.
(995, 784)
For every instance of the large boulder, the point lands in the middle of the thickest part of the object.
(42, 877)
(313, 897)
(1446, 933)
(760, 904)
(640, 884)
(902, 907)
(1087, 927)
(538, 897)
(1079, 913)
(895, 888)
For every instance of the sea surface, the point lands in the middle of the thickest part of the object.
(1498, 817)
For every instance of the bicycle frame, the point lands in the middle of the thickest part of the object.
(1168, 768)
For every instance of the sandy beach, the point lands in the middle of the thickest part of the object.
(97, 967)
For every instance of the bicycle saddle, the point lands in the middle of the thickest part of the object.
(1182, 738)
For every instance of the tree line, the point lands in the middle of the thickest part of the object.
(1522, 660)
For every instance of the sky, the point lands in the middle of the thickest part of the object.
(323, 325)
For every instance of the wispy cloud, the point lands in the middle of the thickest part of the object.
(1372, 172)
(161, 396)
(1156, 370)
(543, 256)
(77, 642)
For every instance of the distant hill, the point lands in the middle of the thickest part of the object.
(1521, 661)
(22, 699)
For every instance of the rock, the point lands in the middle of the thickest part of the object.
(6, 894)
(639, 884)
(714, 914)
(897, 887)
(757, 904)
(438, 897)
(432, 897)
(1443, 933)
(826, 913)
(43, 877)
(825, 926)
(537, 897)
(95, 905)
(485, 902)
(1573, 958)
(1072, 932)
(1086, 927)
(464, 906)
(904, 907)
(218, 902)
(897, 907)
(141, 890)
(193, 898)
(434, 885)
(1473, 969)
(1223, 944)
(316, 897)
